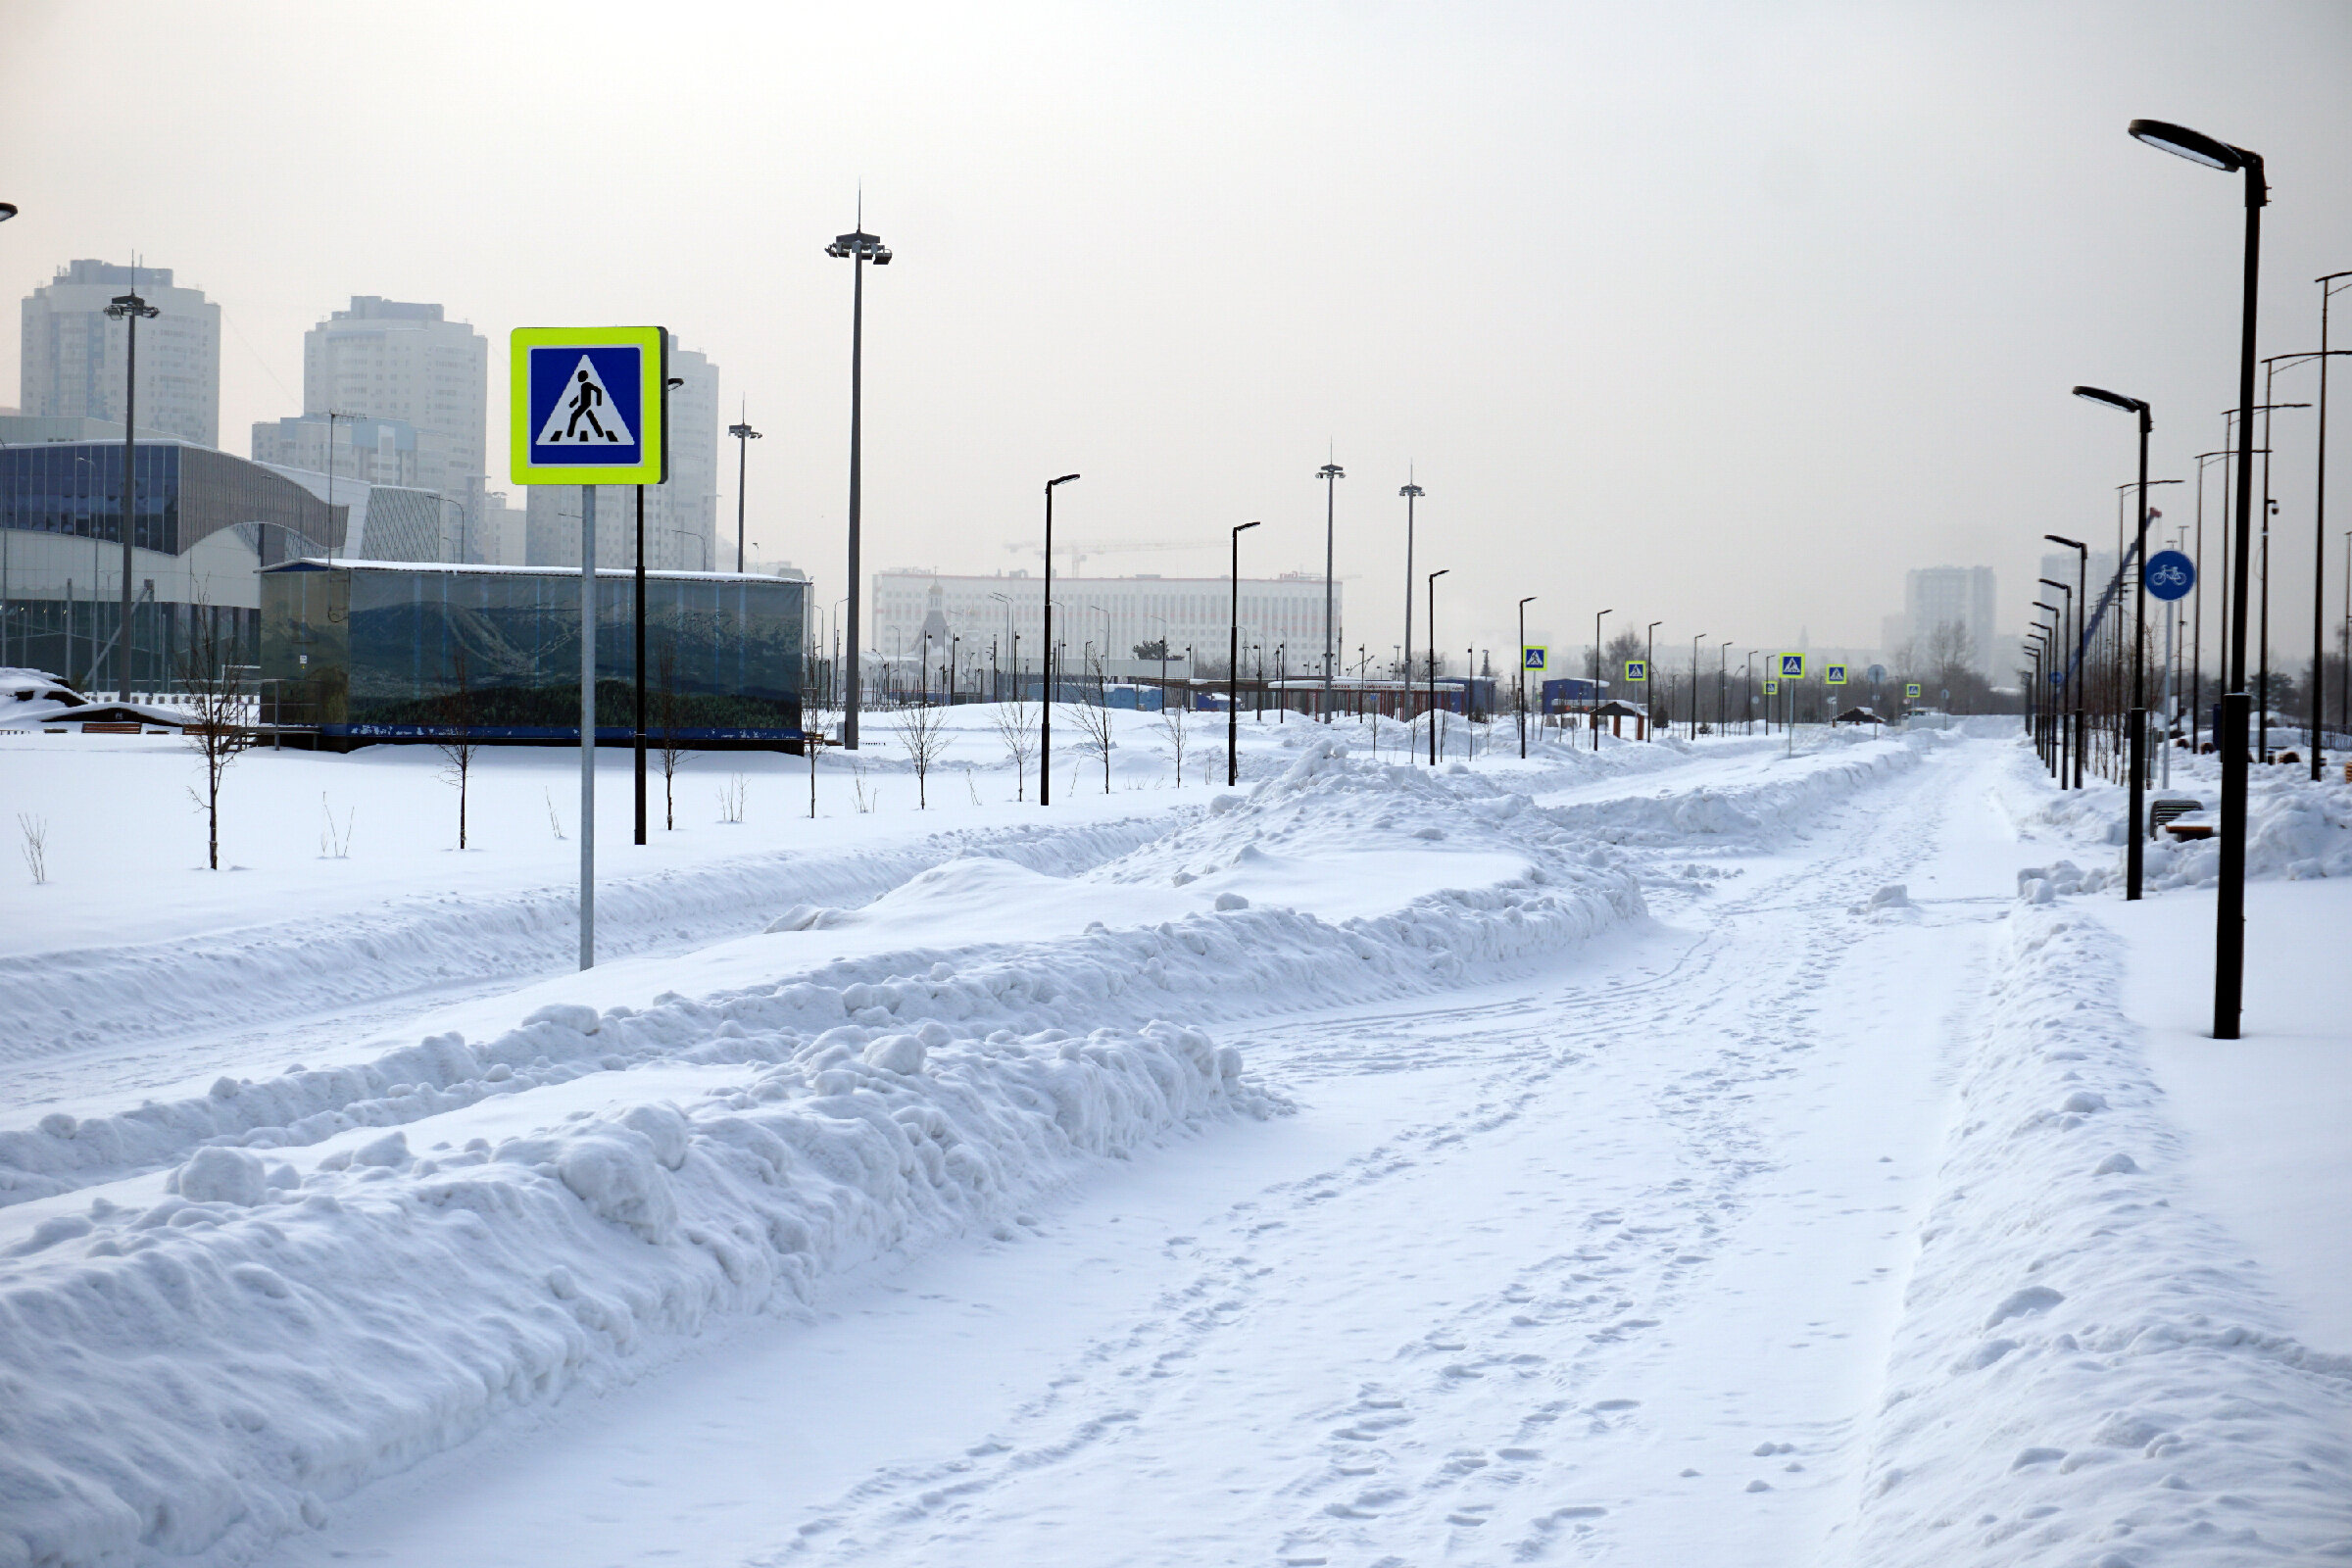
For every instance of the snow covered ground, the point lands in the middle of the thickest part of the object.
(1675, 1152)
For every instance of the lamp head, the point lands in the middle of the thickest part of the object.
(743, 432)
(1331, 471)
(1064, 479)
(2061, 539)
(2194, 145)
(2114, 400)
(8, 210)
(1245, 528)
(1413, 490)
(2062, 587)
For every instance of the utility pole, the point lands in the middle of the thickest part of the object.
(744, 436)
(858, 248)
(1330, 474)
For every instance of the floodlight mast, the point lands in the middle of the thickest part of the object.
(130, 309)
(2230, 914)
(858, 247)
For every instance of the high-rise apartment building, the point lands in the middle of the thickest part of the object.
(681, 518)
(376, 451)
(390, 360)
(1934, 597)
(73, 353)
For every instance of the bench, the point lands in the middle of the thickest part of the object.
(98, 726)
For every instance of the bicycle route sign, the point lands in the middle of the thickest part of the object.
(588, 404)
(2171, 575)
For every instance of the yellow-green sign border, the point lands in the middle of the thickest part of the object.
(653, 359)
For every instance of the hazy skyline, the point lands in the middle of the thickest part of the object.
(1725, 314)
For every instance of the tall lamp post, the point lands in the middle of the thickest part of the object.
(1649, 683)
(130, 309)
(1331, 473)
(744, 436)
(2078, 603)
(2319, 536)
(1694, 685)
(1233, 662)
(2066, 621)
(2230, 915)
(1411, 493)
(1433, 664)
(2136, 743)
(1045, 706)
(1723, 658)
(858, 248)
(1595, 715)
(1519, 683)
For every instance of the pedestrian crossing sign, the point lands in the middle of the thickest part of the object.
(1792, 666)
(1832, 676)
(1911, 691)
(587, 405)
(1533, 657)
(1772, 688)
(1637, 669)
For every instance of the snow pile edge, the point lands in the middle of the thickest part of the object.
(197, 1378)
(2086, 1371)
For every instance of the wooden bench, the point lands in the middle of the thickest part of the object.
(104, 727)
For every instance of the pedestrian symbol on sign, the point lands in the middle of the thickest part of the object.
(585, 413)
(1772, 688)
(1911, 691)
(1792, 666)
(1637, 669)
(1531, 658)
(1832, 676)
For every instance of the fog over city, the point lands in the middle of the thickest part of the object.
(1726, 315)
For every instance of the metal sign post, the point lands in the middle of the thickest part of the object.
(2170, 577)
(589, 407)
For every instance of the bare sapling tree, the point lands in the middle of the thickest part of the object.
(1092, 721)
(923, 731)
(731, 796)
(458, 742)
(669, 715)
(213, 691)
(1173, 718)
(37, 847)
(1016, 727)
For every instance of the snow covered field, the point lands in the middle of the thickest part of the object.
(1676, 1152)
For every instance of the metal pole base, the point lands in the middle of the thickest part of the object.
(2134, 858)
(2230, 914)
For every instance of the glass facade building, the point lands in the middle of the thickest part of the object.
(201, 521)
(384, 651)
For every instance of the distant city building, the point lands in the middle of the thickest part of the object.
(391, 360)
(681, 518)
(73, 353)
(386, 522)
(1282, 615)
(373, 451)
(1965, 597)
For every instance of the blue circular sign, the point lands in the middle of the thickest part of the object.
(2171, 575)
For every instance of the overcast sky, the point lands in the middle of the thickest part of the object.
(1723, 315)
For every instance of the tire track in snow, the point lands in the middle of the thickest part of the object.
(1439, 1443)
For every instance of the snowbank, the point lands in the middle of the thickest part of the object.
(2086, 1373)
(216, 1365)
(63, 1000)
(2295, 829)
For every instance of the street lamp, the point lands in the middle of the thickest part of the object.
(2230, 915)
(2078, 599)
(858, 248)
(2136, 753)
(1649, 683)
(1411, 493)
(1233, 664)
(744, 436)
(8, 210)
(1519, 683)
(1597, 677)
(1433, 664)
(130, 309)
(1723, 658)
(1694, 686)
(2319, 536)
(1330, 474)
(1044, 722)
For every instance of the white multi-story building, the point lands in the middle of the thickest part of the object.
(681, 518)
(392, 360)
(73, 353)
(1281, 616)
(377, 451)
(1940, 596)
